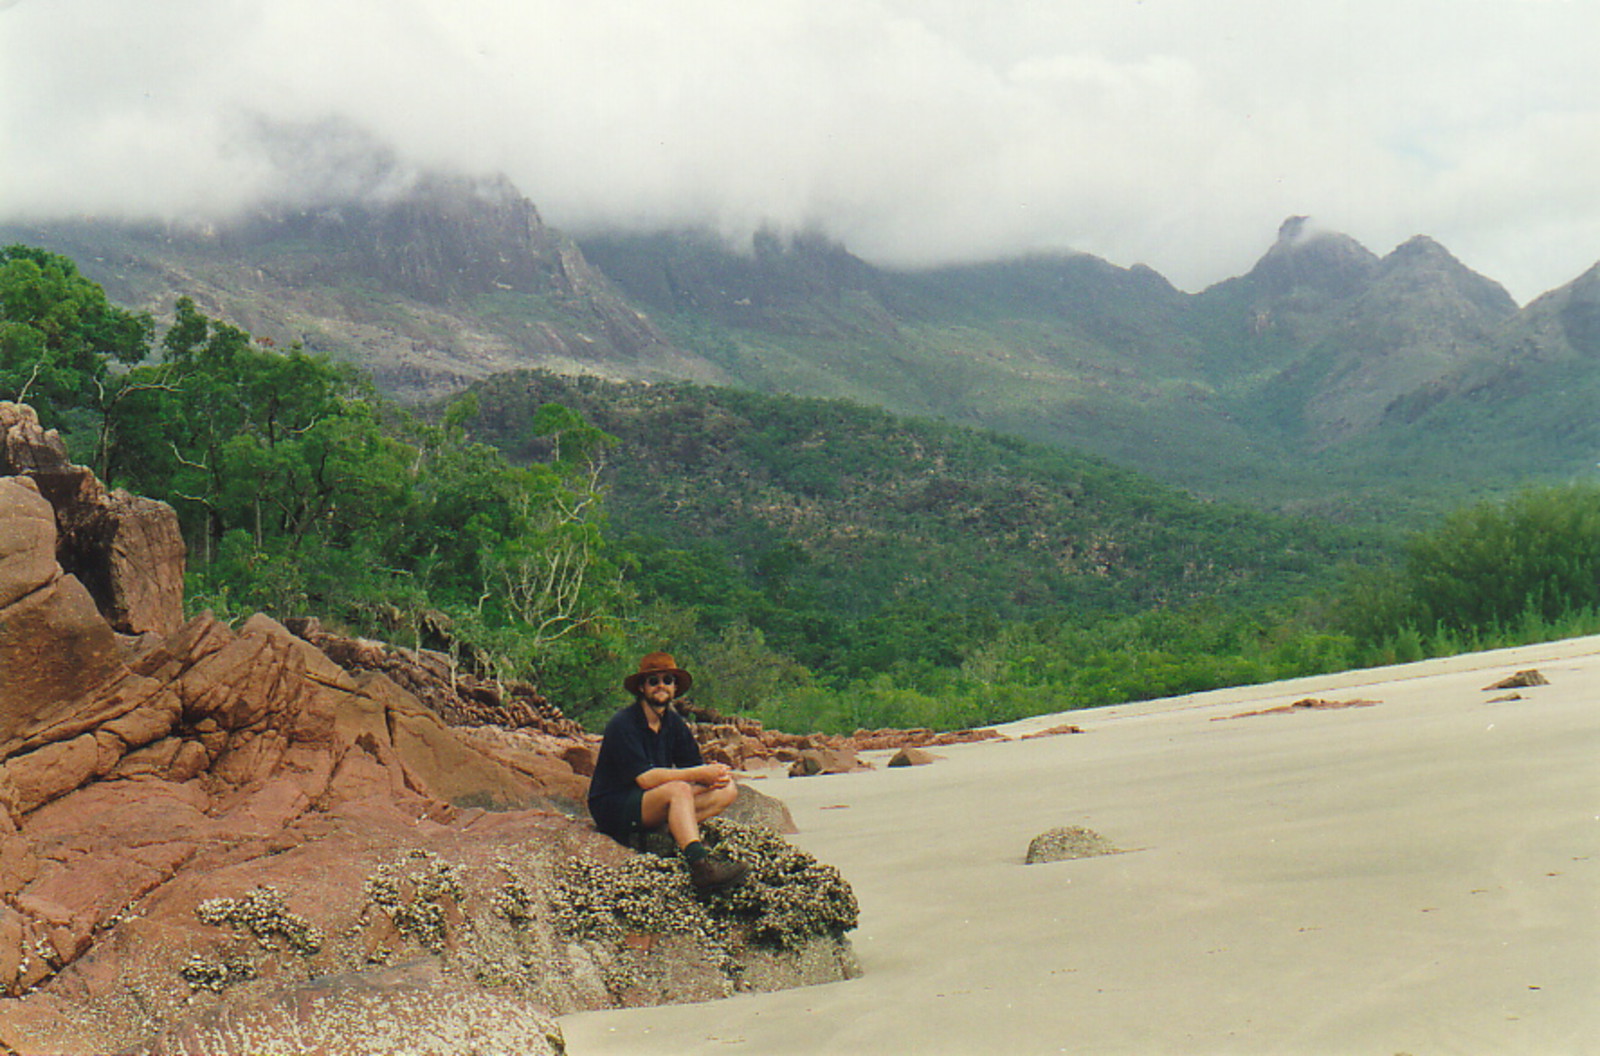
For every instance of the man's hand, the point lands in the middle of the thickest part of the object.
(707, 775)
(714, 775)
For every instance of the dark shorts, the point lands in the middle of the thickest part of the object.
(619, 816)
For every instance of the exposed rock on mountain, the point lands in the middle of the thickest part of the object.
(440, 239)
(803, 285)
(1525, 407)
(430, 281)
(219, 840)
(1564, 324)
(1306, 259)
(1318, 361)
(1337, 337)
(1422, 268)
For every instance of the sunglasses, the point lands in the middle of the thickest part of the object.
(661, 680)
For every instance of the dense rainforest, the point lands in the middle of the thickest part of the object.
(819, 564)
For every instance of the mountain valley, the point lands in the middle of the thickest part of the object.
(1327, 380)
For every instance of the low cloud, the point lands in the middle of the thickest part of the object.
(1167, 132)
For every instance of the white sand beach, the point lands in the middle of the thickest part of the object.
(1417, 876)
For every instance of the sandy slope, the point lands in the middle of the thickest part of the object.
(1419, 876)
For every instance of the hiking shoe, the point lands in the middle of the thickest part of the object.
(715, 874)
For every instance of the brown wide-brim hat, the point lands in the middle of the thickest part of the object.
(657, 664)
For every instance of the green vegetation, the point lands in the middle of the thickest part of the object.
(301, 493)
(832, 566)
(59, 335)
(820, 565)
(1527, 569)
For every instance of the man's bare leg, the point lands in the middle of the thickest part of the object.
(710, 802)
(682, 806)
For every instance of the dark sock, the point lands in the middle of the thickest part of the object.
(696, 851)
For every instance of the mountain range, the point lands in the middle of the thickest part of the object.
(1326, 380)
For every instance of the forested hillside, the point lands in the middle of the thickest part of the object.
(825, 523)
(1328, 380)
(822, 564)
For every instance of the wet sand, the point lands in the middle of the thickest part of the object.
(1420, 876)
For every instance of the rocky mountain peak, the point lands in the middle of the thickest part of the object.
(1567, 316)
(433, 236)
(1421, 264)
(1419, 249)
(1307, 257)
(1581, 315)
(1294, 228)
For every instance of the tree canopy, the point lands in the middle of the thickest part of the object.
(59, 334)
(822, 565)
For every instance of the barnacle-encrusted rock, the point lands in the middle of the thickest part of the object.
(412, 1008)
(417, 890)
(789, 897)
(784, 926)
(218, 975)
(1065, 842)
(264, 915)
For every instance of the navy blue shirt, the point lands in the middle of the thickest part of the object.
(629, 748)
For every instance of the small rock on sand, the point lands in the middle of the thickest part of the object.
(1068, 841)
(911, 757)
(1520, 680)
(1053, 731)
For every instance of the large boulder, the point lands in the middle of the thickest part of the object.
(126, 550)
(222, 840)
(38, 605)
(759, 810)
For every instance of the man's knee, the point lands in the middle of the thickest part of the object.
(658, 801)
(678, 792)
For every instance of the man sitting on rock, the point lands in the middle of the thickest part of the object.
(650, 774)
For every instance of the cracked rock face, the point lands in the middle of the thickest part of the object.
(126, 551)
(39, 604)
(219, 839)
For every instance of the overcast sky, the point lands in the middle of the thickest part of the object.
(1176, 133)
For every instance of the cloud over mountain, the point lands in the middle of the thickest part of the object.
(917, 131)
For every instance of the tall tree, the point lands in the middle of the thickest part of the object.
(59, 334)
